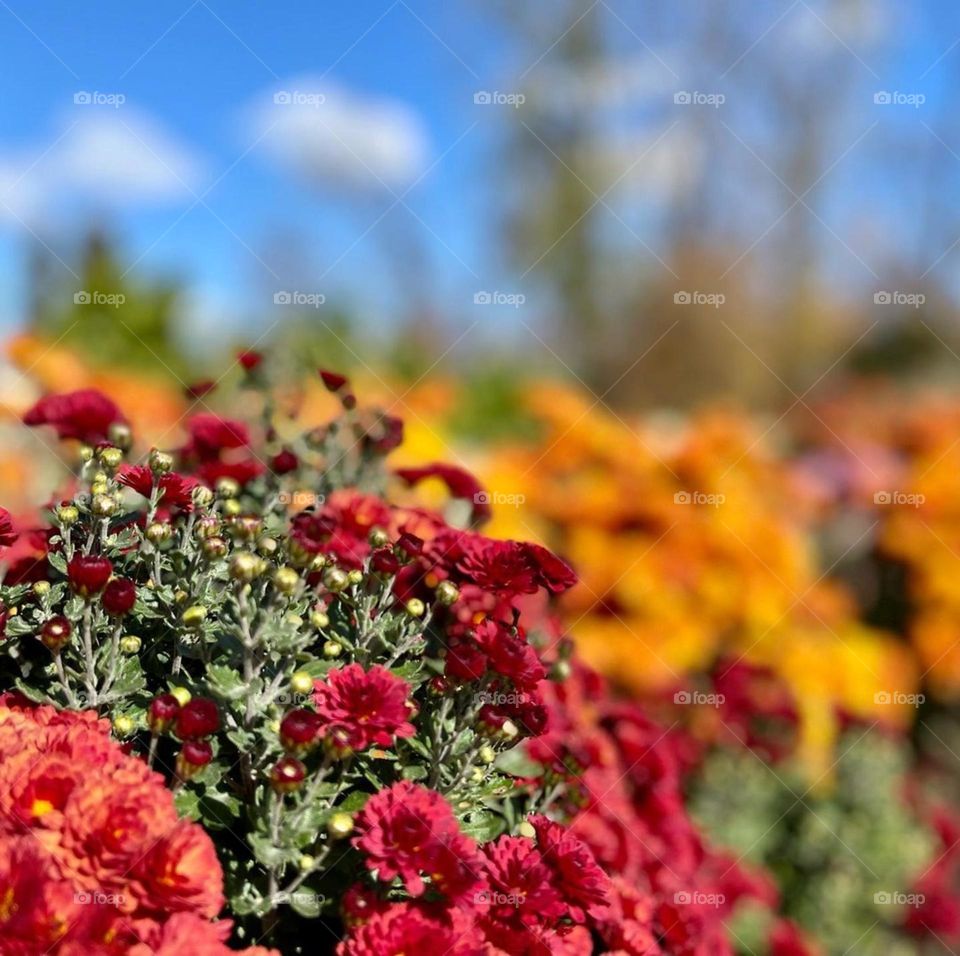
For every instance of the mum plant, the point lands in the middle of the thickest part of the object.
(332, 686)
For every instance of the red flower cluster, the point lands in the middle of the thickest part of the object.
(86, 415)
(341, 527)
(93, 857)
(359, 708)
(513, 896)
(671, 892)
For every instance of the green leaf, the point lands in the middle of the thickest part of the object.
(483, 826)
(188, 804)
(227, 683)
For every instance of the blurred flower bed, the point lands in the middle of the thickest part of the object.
(756, 741)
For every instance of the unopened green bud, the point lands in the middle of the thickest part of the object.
(526, 830)
(123, 725)
(285, 580)
(301, 682)
(103, 505)
(202, 496)
(130, 644)
(41, 588)
(415, 607)
(158, 532)
(160, 461)
(447, 593)
(86, 453)
(182, 695)
(340, 825)
(67, 515)
(335, 580)
(245, 566)
(267, 546)
(214, 547)
(319, 619)
(487, 754)
(110, 457)
(227, 488)
(121, 436)
(379, 538)
(355, 576)
(194, 616)
(231, 507)
(332, 649)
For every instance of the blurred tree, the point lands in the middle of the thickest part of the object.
(105, 316)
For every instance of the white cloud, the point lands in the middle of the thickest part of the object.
(328, 135)
(106, 157)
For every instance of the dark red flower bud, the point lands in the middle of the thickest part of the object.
(197, 718)
(384, 561)
(193, 757)
(199, 389)
(299, 729)
(162, 712)
(411, 544)
(284, 462)
(119, 596)
(333, 380)
(89, 575)
(56, 632)
(287, 775)
(249, 359)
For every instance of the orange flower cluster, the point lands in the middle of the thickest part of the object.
(906, 453)
(694, 540)
(94, 860)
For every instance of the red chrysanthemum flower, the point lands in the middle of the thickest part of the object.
(8, 534)
(369, 707)
(176, 490)
(583, 885)
(501, 567)
(85, 415)
(404, 928)
(521, 888)
(88, 574)
(400, 830)
(210, 434)
(509, 654)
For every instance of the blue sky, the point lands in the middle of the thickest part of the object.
(195, 76)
